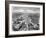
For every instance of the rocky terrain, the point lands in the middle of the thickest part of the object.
(25, 21)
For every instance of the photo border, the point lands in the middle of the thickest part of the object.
(7, 18)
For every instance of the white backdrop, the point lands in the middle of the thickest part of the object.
(2, 19)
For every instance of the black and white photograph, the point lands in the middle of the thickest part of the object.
(25, 19)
